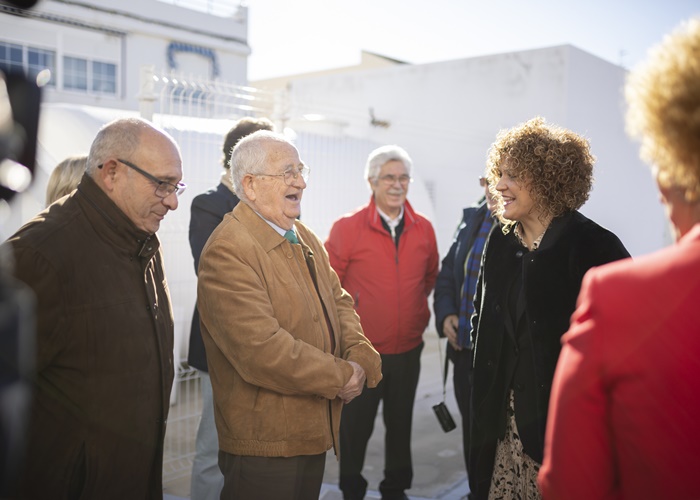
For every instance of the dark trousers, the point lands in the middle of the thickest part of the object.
(462, 381)
(271, 478)
(397, 391)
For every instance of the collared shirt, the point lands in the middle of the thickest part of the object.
(392, 223)
(274, 226)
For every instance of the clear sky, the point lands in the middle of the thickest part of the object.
(296, 36)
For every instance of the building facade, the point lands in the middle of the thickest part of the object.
(91, 52)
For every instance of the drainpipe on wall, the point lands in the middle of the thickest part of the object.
(147, 95)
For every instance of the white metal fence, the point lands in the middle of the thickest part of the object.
(182, 425)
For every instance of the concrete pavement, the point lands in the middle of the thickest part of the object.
(438, 466)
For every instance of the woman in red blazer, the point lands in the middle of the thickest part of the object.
(625, 404)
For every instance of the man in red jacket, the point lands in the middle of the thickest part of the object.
(386, 257)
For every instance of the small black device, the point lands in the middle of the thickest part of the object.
(444, 417)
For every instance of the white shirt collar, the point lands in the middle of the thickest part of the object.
(275, 226)
(392, 223)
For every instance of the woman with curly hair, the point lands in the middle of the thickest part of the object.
(625, 398)
(532, 269)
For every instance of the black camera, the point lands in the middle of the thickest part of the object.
(20, 100)
(444, 417)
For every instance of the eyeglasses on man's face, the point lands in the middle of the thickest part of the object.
(291, 174)
(163, 188)
(390, 179)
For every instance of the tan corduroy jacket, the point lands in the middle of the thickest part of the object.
(274, 371)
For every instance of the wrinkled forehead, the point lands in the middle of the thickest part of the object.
(393, 167)
(280, 152)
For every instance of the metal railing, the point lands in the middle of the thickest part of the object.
(221, 8)
(183, 421)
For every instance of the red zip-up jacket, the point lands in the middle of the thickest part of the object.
(390, 286)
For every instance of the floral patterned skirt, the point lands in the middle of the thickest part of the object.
(514, 473)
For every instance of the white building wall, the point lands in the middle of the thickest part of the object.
(447, 114)
(131, 34)
(624, 196)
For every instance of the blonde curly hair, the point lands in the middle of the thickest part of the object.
(555, 165)
(663, 95)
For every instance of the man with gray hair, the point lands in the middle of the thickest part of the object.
(386, 257)
(284, 345)
(207, 212)
(104, 326)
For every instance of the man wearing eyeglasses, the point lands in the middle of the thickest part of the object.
(284, 345)
(104, 325)
(386, 257)
(207, 212)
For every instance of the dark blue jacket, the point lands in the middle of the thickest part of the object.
(208, 210)
(448, 287)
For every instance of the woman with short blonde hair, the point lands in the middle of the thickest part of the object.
(65, 178)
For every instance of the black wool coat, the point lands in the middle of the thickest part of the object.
(207, 212)
(518, 347)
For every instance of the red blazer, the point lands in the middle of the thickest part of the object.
(625, 406)
(390, 286)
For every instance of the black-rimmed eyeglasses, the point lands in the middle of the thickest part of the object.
(163, 188)
(291, 174)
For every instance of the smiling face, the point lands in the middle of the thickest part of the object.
(390, 196)
(134, 194)
(269, 195)
(517, 203)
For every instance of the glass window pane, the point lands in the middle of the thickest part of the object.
(41, 60)
(74, 73)
(11, 57)
(104, 77)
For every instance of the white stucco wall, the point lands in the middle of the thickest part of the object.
(447, 114)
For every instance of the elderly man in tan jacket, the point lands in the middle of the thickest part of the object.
(284, 345)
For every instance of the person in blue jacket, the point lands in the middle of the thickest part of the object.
(454, 297)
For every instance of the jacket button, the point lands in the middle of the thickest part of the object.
(519, 254)
(315, 318)
(148, 308)
(489, 363)
(289, 255)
